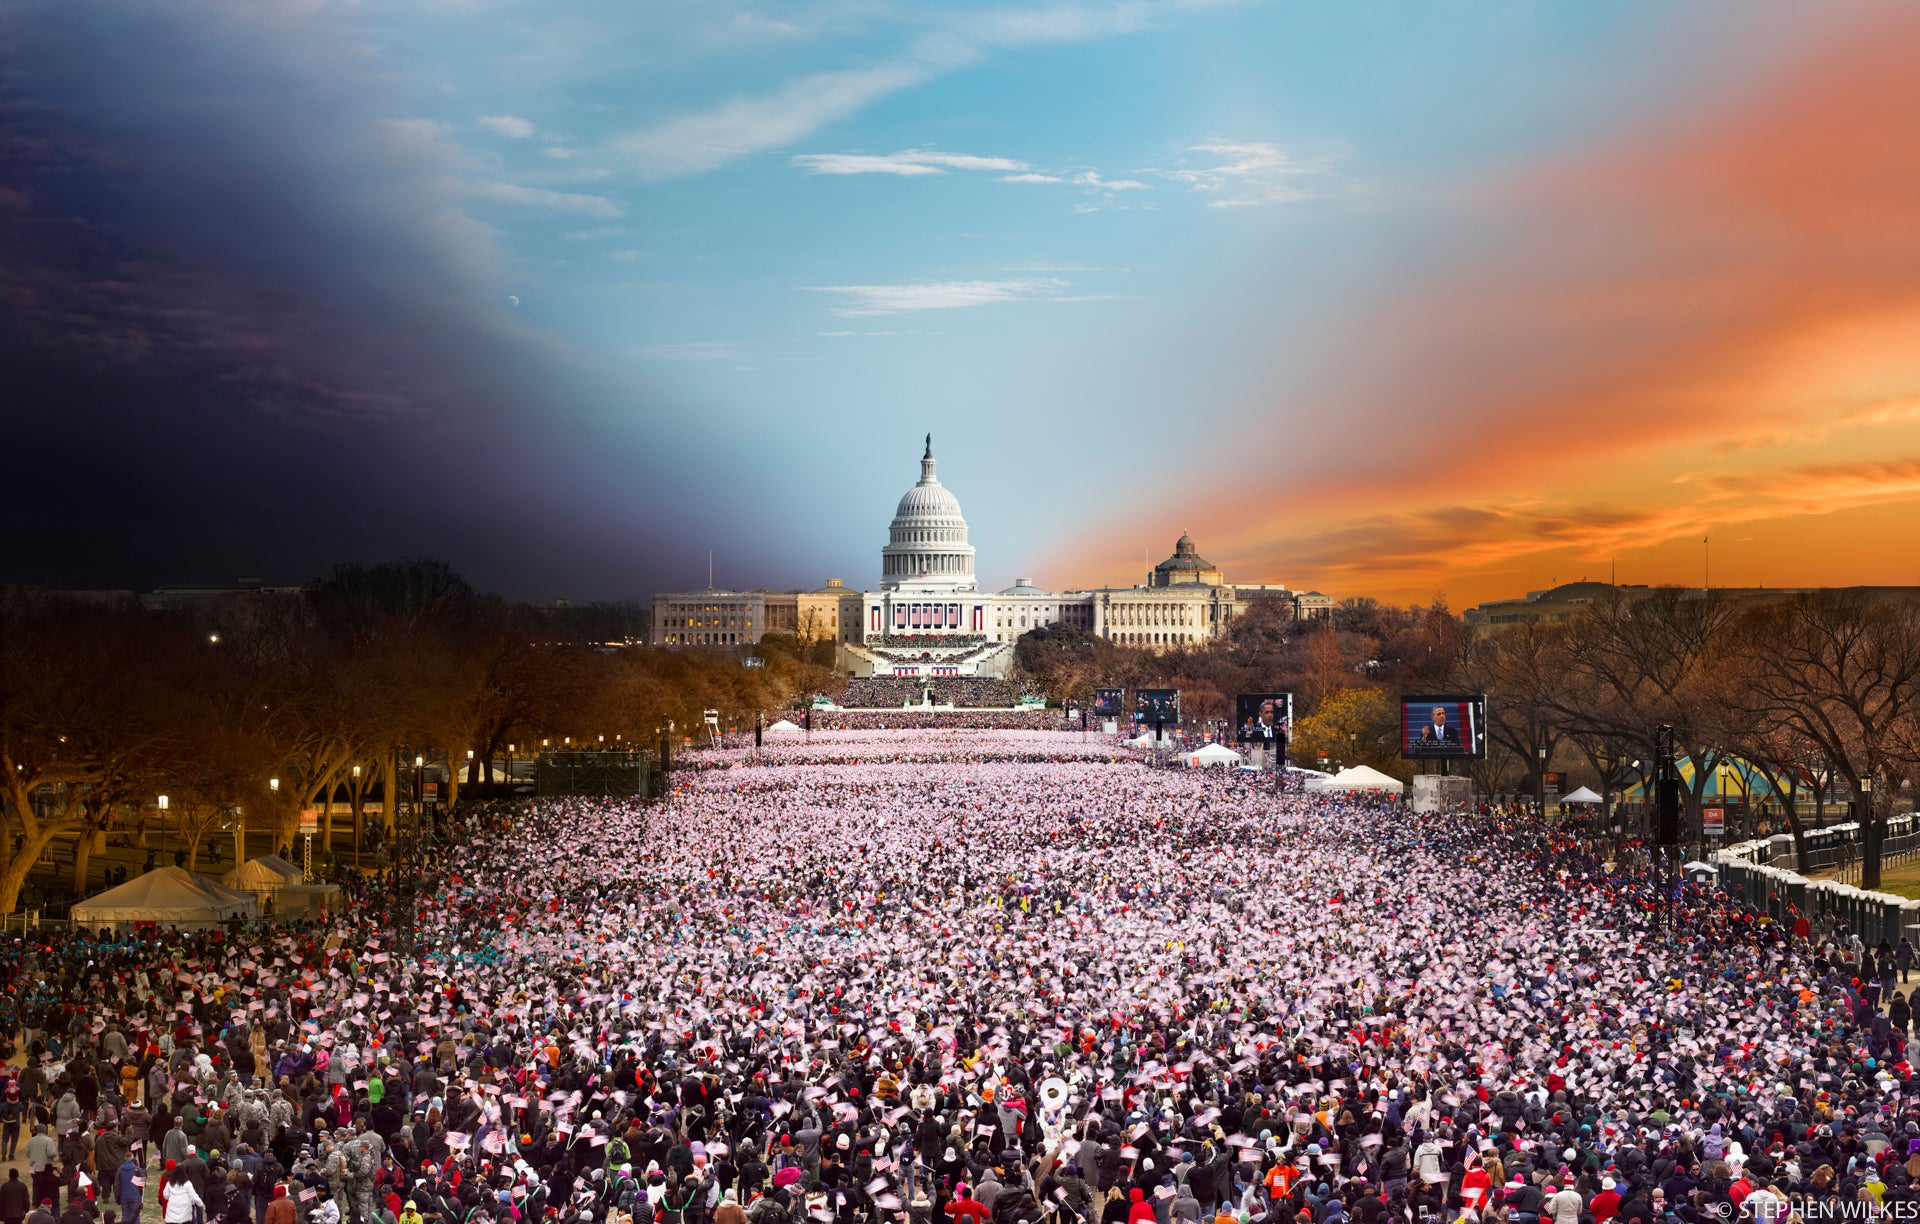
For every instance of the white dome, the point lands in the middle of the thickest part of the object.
(928, 501)
(927, 542)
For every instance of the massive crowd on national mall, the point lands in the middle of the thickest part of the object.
(986, 977)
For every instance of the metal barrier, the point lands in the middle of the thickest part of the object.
(1747, 871)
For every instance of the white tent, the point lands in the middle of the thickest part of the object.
(1358, 778)
(281, 889)
(1583, 795)
(1212, 754)
(268, 873)
(783, 726)
(169, 896)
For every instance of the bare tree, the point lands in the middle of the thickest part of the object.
(1640, 660)
(1839, 671)
(1524, 672)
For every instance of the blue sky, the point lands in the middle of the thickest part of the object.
(821, 230)
(688, 276)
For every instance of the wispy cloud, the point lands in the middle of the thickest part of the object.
(559, 201)
(694, 143)
(1030, 178)
(1813, 425)
(1091, 178)
(510, 126)
(907, 163)
(1246, 175)
(840, 334)
(752, 25)
(1428, 542)
(697, 142)
(866, 300)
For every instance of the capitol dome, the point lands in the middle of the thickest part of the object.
(928, 501)
(927, 542)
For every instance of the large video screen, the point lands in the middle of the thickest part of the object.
(1263, 718)
(1109, 703)
(1438, 727)
(1157, 705)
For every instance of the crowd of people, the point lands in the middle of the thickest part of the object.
(986, 977)
(963, 692)
(916, 719)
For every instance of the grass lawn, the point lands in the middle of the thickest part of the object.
(1901, 879)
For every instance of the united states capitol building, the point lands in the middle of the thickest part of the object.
(928, 617)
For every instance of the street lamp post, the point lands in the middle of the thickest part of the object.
(1863, 813)
(358, 817)
(1540, 782)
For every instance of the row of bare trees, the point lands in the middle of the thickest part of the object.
(105, 704)
(1813, 695)
(252, 708)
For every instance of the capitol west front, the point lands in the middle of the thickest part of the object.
(928, 616)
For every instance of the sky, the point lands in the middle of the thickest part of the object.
(1375, 299)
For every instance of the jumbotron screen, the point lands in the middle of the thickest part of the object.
(1433, 728)
(1157, 705)
(1262, 718)
(1109, 702)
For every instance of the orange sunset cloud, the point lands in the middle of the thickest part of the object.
(1710, 326)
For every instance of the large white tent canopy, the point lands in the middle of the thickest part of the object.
(1358, 778)
(169, 896)
(1212, 754)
